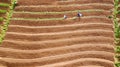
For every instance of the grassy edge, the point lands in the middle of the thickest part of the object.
(4, 5)
(116, 31)
(3, 11)
(4, 28)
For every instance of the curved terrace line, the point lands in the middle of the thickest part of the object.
(82, 60)
(57, 26)
(58, 40)
(89, 10)
(37, 19)
(58, 33)
(88, 4)
(11, 60)
(108, 46)
(77, 54)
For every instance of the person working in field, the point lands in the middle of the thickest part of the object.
(79, 15)
(65, 16)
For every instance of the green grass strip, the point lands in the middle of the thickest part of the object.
(33, 19)
(7, 21)
(4, 5)
(1, 18)
(3, 11)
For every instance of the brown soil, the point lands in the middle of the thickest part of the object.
(42, 16)
(3, 8)
(56, 43)
(5, 1)
(59, 43)
(52, 36)
(48, 2)
(60, 29)
(85, 1)
(59, 22)
(59, 9)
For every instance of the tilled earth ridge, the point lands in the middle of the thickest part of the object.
(33, 42)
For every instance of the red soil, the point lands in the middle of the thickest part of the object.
(5, 1)
(59, 22)
(59, 43)
(85, 1)
(58, 2)
(60, 9)
(42, 16)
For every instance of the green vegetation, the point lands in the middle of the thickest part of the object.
(3, 11)
(117, 64)
(1, 18)
(4, 5)
(5, 26)
(117, 49)
(117, 31)
(116, 25)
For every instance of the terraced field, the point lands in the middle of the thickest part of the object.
(38, 36)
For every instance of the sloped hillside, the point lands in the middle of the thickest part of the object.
(39, 36)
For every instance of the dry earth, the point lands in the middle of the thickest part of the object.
(34, 39)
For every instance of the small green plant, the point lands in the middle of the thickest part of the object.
(4, 5)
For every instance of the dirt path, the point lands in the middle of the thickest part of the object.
(33, 42)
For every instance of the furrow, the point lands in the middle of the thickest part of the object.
(57, 35)
(73, 49)
(67, 8)
(42, 16)
(70, 62)
(56, 2)
(61, 29)
(55, 43)
(59, 22)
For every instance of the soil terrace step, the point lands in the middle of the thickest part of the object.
(61, 2)
(55, 43)
(59, 22)
(41, 16)
(67, 8)
(57, 35)
(34, 42)
(61, 28)
(70, 62)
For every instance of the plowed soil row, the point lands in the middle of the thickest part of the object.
(62, 28)
(34, 45)
(57, 35)
(40, 54)
(5, 1)
(59, 43)
(59, 9)
(41, 16)
(58, 2)
(60, 22)
(85, 1)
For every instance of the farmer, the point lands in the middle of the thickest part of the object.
(65, 17)
(79, 15)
